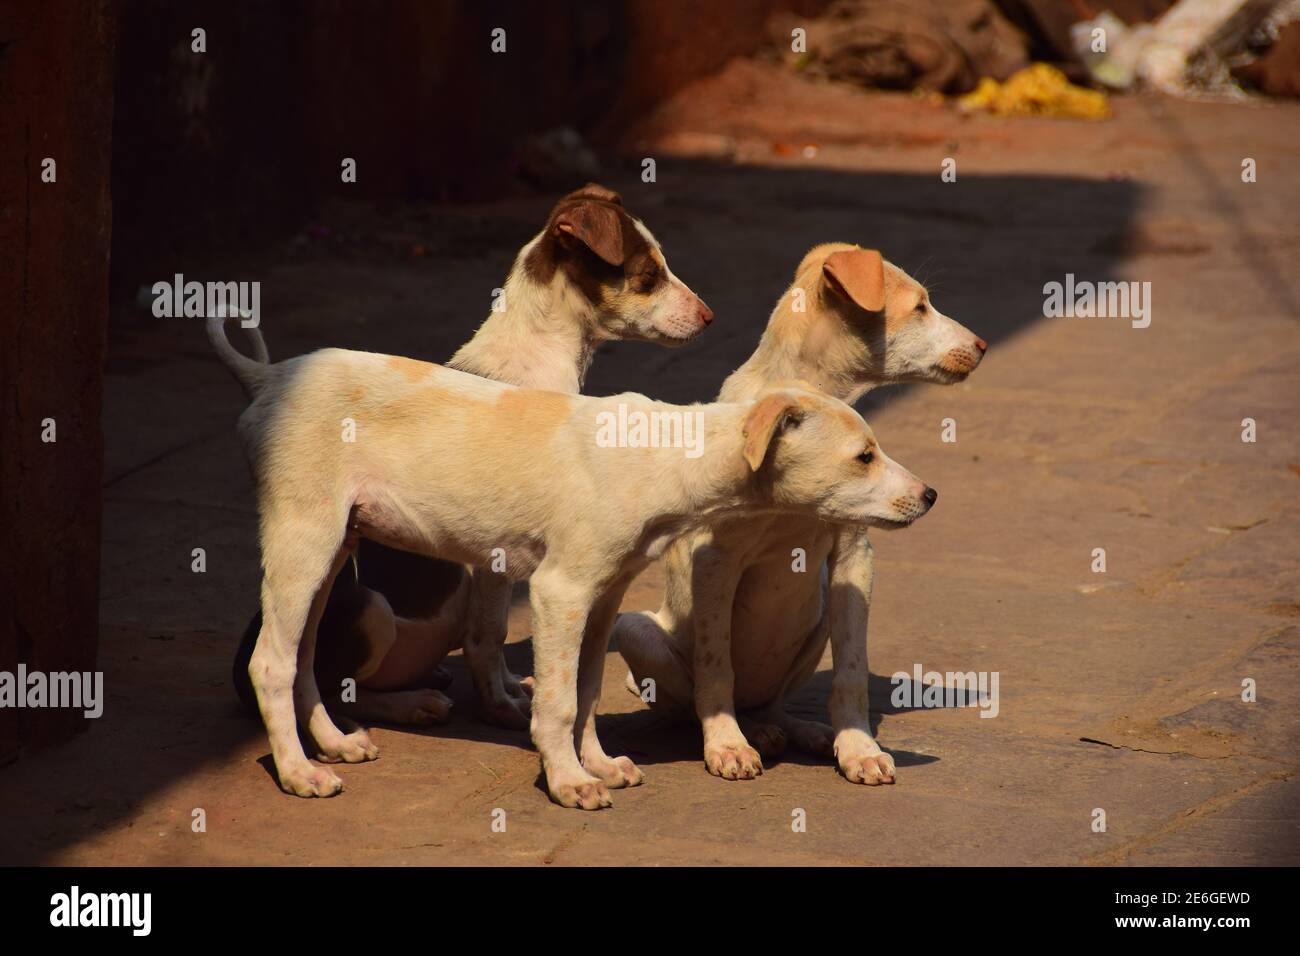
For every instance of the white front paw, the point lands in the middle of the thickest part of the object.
(861, 760)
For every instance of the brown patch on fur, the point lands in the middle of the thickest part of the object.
(412, 370)
(851, 420)
(421, 406)
(535, 412)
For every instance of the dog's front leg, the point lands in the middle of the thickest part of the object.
(859, 757)
(615, 772)
(485, 635)
(727, 754)
(562, 604)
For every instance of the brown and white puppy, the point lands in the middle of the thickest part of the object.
(594, 273)
(470, 470)
(739, 629)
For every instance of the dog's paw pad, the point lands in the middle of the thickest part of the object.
(355, 747)
(871, 770)
(589, 794)
(740, 762)
(425, 706)
(518, 688)
(615, 772)
(360, 748)
(513, 714)
(768, 739)
(311, 781)
(813, 738)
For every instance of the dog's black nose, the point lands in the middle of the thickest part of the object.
(930, 496)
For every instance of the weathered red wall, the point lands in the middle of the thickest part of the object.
(236, 146)
(56, 82)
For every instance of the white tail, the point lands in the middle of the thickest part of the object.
(249, 372)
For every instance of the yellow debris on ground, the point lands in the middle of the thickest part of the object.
(1039, 90)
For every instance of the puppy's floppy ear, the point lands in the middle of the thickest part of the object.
(597, 225)
(770, 415)
(858, 274)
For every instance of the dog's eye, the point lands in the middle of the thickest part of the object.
(866, 458)
(645, 281)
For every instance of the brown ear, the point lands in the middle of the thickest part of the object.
(596, 225)
(770, 413)
(858, 274)
(596, 191)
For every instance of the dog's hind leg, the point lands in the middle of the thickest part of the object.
(773, 730)
(333, 746)
(764, 732)
(414, 708)
(299, 559)
(614, 772)
(485, 635)
(657, 673)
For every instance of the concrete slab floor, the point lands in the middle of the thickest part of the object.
(1119, 691)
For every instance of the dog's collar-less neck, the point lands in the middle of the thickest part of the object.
(836, 367)
(724, 481)
(847, 380)
(783, 364)
(537, 331)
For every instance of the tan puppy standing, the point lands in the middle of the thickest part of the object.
(739, 629)
(456, 466)
(594, 273)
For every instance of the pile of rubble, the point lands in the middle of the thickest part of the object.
(996, 51)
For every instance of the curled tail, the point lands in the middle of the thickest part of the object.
(251, 373)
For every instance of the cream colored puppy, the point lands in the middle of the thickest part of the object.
(593, 274)
(739, 628)
(576, 492)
